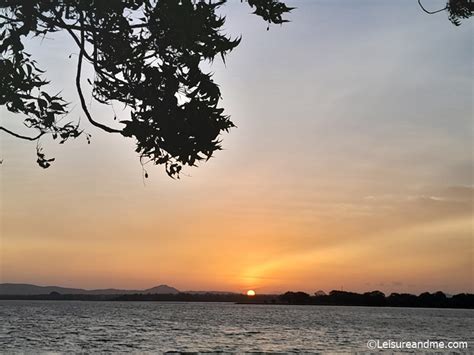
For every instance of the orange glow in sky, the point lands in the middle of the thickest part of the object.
(351, 167)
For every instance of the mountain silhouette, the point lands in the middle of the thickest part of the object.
(161, 289)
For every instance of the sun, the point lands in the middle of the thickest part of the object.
(250, 293)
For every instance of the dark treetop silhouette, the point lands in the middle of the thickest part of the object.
(145, 54)
(457, 9)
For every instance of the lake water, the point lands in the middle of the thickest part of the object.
(75, 326)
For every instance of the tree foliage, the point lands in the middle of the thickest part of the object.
(457, 10)
(146, 54)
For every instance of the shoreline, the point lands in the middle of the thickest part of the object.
(117, 298)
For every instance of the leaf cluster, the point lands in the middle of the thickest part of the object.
(459, 9)
(21, 88)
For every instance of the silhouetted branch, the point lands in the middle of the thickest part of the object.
(21, 136)
(91, 59)
(81, 95)
(431, 12)
(9, 19)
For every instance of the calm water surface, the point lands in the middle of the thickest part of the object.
(75, 326)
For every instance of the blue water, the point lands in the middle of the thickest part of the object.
(77, 326)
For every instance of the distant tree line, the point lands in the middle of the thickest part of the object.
(378, 299)
(334, 298)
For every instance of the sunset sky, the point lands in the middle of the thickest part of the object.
(351, 167)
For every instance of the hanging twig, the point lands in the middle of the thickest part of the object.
(21, 136)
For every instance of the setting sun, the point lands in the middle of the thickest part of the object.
(250, 293)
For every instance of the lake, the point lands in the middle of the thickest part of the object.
(79, 326)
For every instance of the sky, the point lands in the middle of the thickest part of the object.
(351, 167)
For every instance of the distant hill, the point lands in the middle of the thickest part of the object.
(27, 289)
(162, 289)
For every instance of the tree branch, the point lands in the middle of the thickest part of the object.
(431, 12)
(91, 59)
(66, 26)
(10, 19)
(81, 95)
(21, 136)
